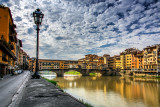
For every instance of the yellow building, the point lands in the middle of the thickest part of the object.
(126, 58)
(122, 61)
(20, 58)
(8, 41)
(117, 62)
(92, 61)
(140, 61)
(111, 63)
(152, 59)
(100, 61)
(128, 61)
(18, 47)
(106, 58)
(91, 65)
(137, 62)
(114, 63)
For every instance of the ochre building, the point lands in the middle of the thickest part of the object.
(8, 40)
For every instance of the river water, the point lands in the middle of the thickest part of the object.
(113, 91)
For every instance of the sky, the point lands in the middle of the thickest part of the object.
(73, 28)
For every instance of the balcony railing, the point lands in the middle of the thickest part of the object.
(6, 44)
(11, 46)
(7, 48)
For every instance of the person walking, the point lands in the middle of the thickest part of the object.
(12, 72)
(1, 75)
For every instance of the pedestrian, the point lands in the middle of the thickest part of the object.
(12, 72)
(1, 76)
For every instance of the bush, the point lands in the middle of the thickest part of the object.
(87, 104)
(92, 74)
(73, 72)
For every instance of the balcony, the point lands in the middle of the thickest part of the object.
(7, 48)
(11, 46)
(12, 33)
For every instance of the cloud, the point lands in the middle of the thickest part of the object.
(72, 28)
(18, 19)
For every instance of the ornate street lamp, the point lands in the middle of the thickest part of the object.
(38, 16)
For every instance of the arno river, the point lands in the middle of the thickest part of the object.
(113, 91)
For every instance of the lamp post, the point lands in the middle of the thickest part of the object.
(38, 16)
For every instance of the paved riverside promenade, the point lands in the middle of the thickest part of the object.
(41, 93)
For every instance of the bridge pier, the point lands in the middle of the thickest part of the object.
(59, 73)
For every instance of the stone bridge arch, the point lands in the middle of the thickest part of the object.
(60, 72)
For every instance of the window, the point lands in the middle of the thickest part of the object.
(154, 52)
(4, 56)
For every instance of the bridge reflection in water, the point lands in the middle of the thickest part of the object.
(114, 91)
(48, 74)
(71, 78)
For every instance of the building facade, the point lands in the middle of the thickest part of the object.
(137, 64)
(92, 61)
(127, 60)
(152, 59)
(111, 63)
(114, 63)
(117, 62)
(106, 58)
(8, 40)
(20, 59)
(18, 47)
(25, 61)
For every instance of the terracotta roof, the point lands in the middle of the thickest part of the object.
(152, 46)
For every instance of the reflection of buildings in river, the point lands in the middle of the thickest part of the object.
(148, 92)
(72, 84)
(129, 89)
(88, 82)
(151, 97)
(105, 90)
(145, 80)
(94, 78)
